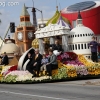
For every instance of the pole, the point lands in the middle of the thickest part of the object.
(33, 3)
(42, 16)
(34, 17)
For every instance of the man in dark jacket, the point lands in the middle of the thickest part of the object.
(35, 64)
(94, 45)
(56, 46)
(5, 60)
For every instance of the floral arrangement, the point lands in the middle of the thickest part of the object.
(69, 58)
(81, 70)
(85, 61)
(21, 76)
(0, 71)
(93, 68)
(70, 65)
(7, 69)
(61, 74)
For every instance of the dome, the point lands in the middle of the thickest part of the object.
(80, 33)
(54, 19)
(79, 38)
(59, 19)
(35, 43)
(9, 47)
(81, 29)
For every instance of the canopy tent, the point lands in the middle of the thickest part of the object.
(63, 22)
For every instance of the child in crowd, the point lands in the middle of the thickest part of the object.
(44, 61)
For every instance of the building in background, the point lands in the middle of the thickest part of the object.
(24, 34)
(42, 23)
(79, 38)
(90, 11)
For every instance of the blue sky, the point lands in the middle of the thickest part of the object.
(12, 13)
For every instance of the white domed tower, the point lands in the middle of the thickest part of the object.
(10, 48)
(79, 38)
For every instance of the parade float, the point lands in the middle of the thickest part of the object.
(72, 64)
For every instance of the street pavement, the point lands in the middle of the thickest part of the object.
(70, 90)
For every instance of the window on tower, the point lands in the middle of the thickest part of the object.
(70, 47)
(71, 36)
(20, 29)
(85, 45)
(81, 46)
(22, 19)
(73, 47)
(78, 46)
(29, 28)
(81, 35)
(27, 19)
(78, 35)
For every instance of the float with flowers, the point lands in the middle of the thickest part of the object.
(70, 66)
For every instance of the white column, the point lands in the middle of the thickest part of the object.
(65, 43)
(41, 46)
(52, 40)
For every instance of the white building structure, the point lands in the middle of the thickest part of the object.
(51, 31)
(79, 38)
(42, 23)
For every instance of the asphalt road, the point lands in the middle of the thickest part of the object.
(73, 90)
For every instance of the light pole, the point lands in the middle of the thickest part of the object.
(34, 15)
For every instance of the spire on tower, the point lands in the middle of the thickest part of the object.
(79, 15)
(56, 5)
(24, 11)
(79, 18)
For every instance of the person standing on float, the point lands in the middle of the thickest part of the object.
(94, 46)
